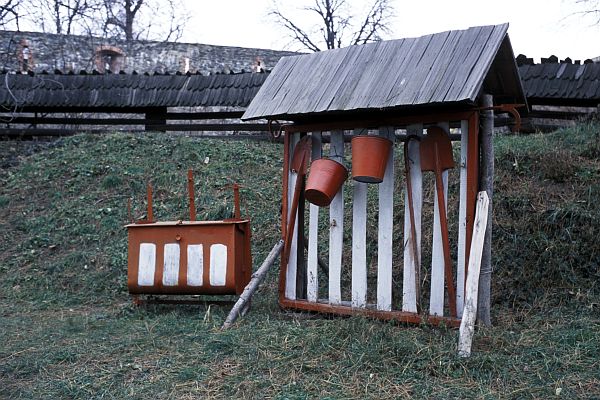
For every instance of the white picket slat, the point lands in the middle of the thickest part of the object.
(290, 277)
(359, 245)
(336, 226)
(312, 289)
(436, 305)
(462, 218)
(409, 295)
(385, 229)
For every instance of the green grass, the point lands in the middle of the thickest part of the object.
(68, 328)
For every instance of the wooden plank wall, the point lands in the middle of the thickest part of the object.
(387, 244)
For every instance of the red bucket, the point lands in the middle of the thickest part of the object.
(325, 179)
(369, 158)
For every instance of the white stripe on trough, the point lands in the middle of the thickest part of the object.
(218, 264)
(195, 266)
(147, 264)
(171, 264)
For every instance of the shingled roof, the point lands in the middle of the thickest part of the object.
(448, 68)
(562, 83)
(128, 90)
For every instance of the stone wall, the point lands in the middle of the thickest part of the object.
(74, 53)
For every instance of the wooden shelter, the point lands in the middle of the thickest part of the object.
(399, 89)
(32, 100)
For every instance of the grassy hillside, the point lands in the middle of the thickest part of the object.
(68, 329)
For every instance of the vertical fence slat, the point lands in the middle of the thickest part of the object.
(436, 305)
(409, 294)
(462, 219)
(290, 277)
(385, 228)
(359, 242)
(312, 291)
(336, 225)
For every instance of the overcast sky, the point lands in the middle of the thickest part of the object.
(538, 28)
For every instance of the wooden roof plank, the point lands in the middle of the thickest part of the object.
(462, 45)
(418, 88)
(345, 92)
(332, 85)
(322, 72)
(370, 81)
(476, 77)
(468, 64)
(398, 89)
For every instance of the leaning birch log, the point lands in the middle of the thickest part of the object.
(240, 306)
(467, 325)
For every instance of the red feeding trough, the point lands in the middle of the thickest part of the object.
(189, 257)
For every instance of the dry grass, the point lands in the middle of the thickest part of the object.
(68, 329)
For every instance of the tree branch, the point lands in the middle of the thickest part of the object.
(299, 34)
(334, 19)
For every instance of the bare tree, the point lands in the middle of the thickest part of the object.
(64, 16)
(136, 19)
(335, 26)
(588, 9)
(10, 13)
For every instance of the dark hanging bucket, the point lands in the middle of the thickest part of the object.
(325, 179)
(369, 158)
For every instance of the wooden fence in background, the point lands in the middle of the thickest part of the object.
(222, 124)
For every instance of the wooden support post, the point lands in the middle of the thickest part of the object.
(462, 218)
(487, 184)
(467, 325)
(156, 116)
(241, 305)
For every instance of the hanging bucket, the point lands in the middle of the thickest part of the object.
(369, 158)
(325, 179)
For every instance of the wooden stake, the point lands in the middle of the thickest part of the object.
(191, 195)
(240, 306)
(149, 216)
(467, 325)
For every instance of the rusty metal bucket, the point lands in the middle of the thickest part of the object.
(369, 158)
(325, 179)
